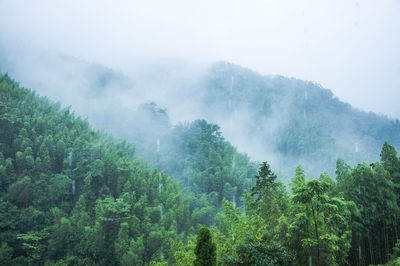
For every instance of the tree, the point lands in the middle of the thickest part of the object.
(248, 239)
(121, 245)
(181, 253)
(5, 254)
(390, 161)
(271, 196)
(320, 221)
(205, 248)
(265, 181)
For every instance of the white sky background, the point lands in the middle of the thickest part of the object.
(351, 47)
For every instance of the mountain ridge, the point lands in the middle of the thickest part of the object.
(270, 117)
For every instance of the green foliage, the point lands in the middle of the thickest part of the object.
(205, 248)
(265, 181)
(248, 239)
(197, 154)
(71, 195)
(375, 216)
(74, 196)
(6, 253)
(320, 221)
(395, 257)
(298, 121)
(182, 254)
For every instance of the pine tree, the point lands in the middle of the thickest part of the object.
(265, 181)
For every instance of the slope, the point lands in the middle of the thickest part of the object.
(283, 120)
(77, 196)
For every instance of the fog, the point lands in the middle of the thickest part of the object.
(106, 59)
(350, 47)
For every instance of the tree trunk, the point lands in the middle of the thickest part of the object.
(371, 253)
(316, 235)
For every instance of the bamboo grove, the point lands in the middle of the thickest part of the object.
(71, 195)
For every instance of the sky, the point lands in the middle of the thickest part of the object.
(349, 47)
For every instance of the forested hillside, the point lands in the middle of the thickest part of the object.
(290, 121)
(68, 192)
(194, 152)
(285, 120)
(74, 196)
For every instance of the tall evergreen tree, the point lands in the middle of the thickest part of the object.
(205, 249)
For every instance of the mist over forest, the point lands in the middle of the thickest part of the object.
(286, 121)
(138, 136)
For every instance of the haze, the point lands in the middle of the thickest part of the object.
(350, 47)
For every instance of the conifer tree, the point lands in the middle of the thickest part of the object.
(205, 248)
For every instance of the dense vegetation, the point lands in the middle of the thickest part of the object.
(353, 221)
(74, 196)
(194, 152)
(299, 121)
(285, 121)
(77, 190)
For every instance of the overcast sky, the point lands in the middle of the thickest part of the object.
(350, 47)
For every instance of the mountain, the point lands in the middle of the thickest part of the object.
(71, 195)
(289, 121)
(68, 191)
(283, 120)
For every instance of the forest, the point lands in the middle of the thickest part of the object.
(282, 120)
(73, 195)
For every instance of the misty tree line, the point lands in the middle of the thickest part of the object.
(298, 120)
(74, 196)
